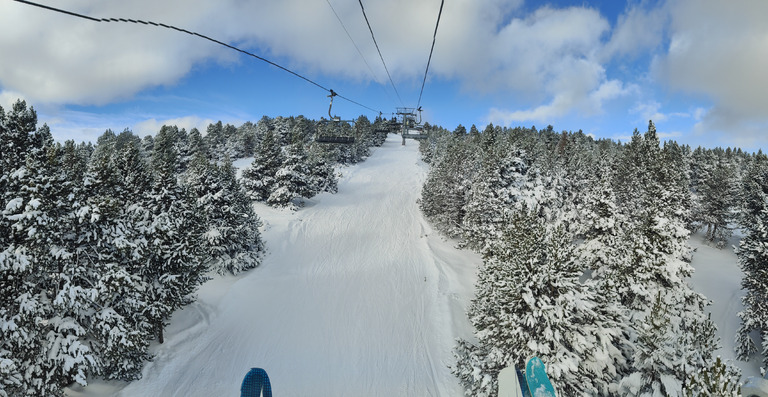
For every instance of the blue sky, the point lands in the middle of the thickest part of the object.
(696, 67)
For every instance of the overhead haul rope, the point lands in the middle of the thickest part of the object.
(434, 36)
(370, 69)
(74, 14)
(377, 49)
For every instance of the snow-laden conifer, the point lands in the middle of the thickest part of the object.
(752, 253)
(259, 177)
(230, 241)
(293, 179)
(529, 302)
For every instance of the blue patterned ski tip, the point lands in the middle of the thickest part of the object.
(256, 384)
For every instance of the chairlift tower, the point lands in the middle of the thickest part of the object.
(407, 118)
(410, 128)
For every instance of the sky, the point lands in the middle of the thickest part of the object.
(697, 68)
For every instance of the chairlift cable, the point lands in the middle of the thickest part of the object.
(370, 69)
(138, 21)
(434, 37)
(377, 49)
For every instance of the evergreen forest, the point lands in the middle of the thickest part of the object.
(586, 258)
(584, 244)
(100, 243)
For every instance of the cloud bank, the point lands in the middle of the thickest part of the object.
(543, 63)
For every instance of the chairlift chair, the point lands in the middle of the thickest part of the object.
(414, 130)
(332, 138)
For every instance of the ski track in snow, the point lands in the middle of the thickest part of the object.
(357, 296)
(718, 277)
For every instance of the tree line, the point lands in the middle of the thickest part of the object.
(101, 243)
(586, 259)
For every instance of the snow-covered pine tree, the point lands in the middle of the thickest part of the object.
(655, 358)
(486, 207)
(259, 177)
(215, 140)
(719, 379)
(675, 170)
(109, 217)
(717, 198)
(604, 250)
(196, 146)
(293, 179)
(529, 302)
(324, 177)
(753, 189)
(494, 190)
(243, 142)
(231, 241)
(445, 193)
(174, 266)
(753, 260)
(41, 346)
(363, 132)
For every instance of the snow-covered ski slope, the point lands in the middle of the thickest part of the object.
(718, 277)
(357, 296)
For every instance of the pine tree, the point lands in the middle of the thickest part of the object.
(40, 342)
(446, 190)
(231, 241)
(654, 359)
(717, 198)
(109, 220)
(494, 190)
(293, 179)
(174, 267)
(753, 260)
(754, 187)
(324, 177)
(486, 207)
(718, 379)
(529, 302)
(259, 178)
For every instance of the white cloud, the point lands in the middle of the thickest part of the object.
(637, 31)
(152, 126)
(565, 101)
(719, 50)
(548, 56)
(59, 59)
(649, 111)
(541, 63)
(54, 58)
(667, 135)
(8, 98)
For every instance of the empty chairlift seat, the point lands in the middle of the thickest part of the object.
(335, 139)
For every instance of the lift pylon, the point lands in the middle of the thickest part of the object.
(410, 129)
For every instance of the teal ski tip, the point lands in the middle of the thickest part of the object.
(538, 381)
(256, 384)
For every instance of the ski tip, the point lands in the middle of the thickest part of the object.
(256, 384)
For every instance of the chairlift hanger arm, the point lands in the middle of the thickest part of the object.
(332, 117)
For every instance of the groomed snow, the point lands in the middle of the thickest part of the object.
(718, 277)
(357, 296)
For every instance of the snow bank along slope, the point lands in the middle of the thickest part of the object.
(356, 297)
